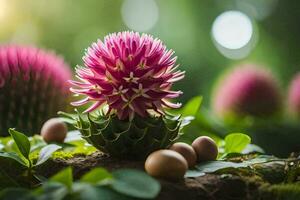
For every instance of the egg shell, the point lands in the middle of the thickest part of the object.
(166, 164)
(54, 130)
(205, 148)
(186, 151)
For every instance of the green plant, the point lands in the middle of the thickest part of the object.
(128, 139)
(17, 165)
(125, 184)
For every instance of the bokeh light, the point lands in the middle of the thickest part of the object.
(140, 15)
(233, 33)
(232, 29)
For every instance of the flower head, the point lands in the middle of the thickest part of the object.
(28, 62)
(33, 87)
(129, 72)
(247, 90)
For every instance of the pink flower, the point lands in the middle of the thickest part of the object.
(247, 90)
(129, 72)
(294, 96)
(32, 63)
(33, 87)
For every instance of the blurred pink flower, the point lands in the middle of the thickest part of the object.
(130, 73)
(33, 87)
(294, 96)
(247, 90)
(32, 63)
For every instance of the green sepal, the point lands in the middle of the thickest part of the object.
(128, 139)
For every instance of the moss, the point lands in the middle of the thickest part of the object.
(62, 155)
(66, 153)
(281, 192)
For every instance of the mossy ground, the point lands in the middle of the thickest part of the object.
(264, 184)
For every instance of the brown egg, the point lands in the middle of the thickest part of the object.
(186, 151)
(54, 130)
(205, 148)
(166, 164)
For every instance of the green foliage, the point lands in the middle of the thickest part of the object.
(64, 177)
(19, 166)
(46, 153)
(214, 166)
(201, 122)
(236, 142)
(123, 185)
(97, 175)
(135, 183)
(192, 107)
(13, 156)
(22, 142)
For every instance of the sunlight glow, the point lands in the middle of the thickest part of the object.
(4, 9)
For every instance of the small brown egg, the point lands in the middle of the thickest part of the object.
(186, 151)
(54, 130)
(166, 164)
(205, 148)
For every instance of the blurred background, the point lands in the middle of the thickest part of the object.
(208, 35)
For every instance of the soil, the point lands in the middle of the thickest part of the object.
(210, 186)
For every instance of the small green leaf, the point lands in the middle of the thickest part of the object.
(65, 177)
(212, 166)
(135, 183)
(96, 176)
(36, 143)
(52, 190)
(46, 153)
(252, 148)
(67, 117)
(192, 107)
(236, 142)
(13, 156)
(193, 173)
(21, 141)
(84, 191)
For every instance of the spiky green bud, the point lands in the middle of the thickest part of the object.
(135, 138)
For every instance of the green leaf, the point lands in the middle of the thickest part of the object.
(192, 107)
(96, 176)
(36, 143)
(65, 177)
(236, 142)
(13, 156)
(67, 117)
(73, 136)
(12, 167)
(135, 183)
(21, 141)
(252, 148)
(84, 191)
(212, 166)
(51, 191)
(7, 180)
(46, 153)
